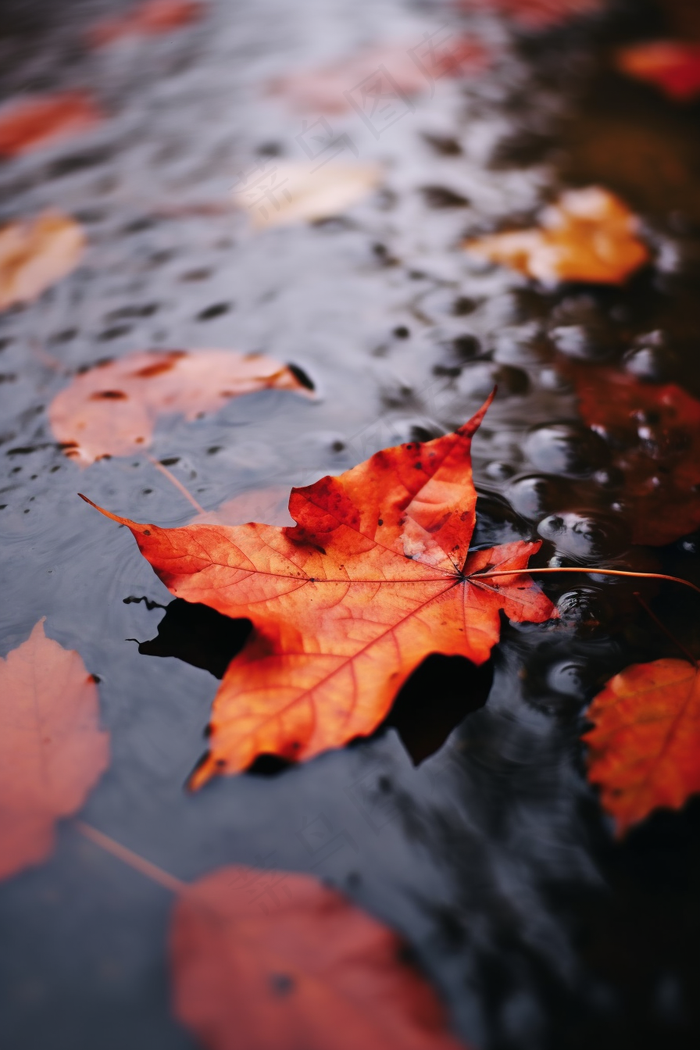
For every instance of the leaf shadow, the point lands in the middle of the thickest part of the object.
(435, 699)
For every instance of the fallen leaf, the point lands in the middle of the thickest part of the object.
(52, 751)
(644, 751)
(654, 430)
(405, 69)
(277, 961)
(670, 65)
(294, 192)
(536, 14)
(36, 253)
(28, 124)
(111, 409)
(376, 575)
(587, 235)
(147, 19)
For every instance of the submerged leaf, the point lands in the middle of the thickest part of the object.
(291, 192)
(376, 575)
(588, 235)
(111, 409)
(359, 81)
(52, 751)
(671, 65)
(150, 18)
(644, 751)
(537, 14)
(651, 425)
(277, 961)
(34, 254)
(28, 124)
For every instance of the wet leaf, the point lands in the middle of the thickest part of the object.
(35, 253)
(150, 18)
(52, 751)
(587, 235)
(655, 432)
(112, 409)
(277, 961)
(644, 751)
(536, 14)
(404, 69)
(671, 65)
(294, 192)
(375, 575)
(30, 123)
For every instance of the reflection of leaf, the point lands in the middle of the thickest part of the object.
(147, 19)
(588, 235)
(376, 575)
(277, 961)
(537, 14)
(265, 505)
(644, 751)
(35, 254)
(31, 123)
(52, 751)
(294, 192)
(112, 408)
(412, 68)
(655, 429)
(671, 65)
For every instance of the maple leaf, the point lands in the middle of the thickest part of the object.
(31, 123)
(587, 235)
(293, 192)
(52, 751)
(537, 14)
(147, 19)
(111, 409)
(376, 575)
(34, 254)
(277, 961)
(650, 423)
(406, 68)
(671, 65)
(644, 749)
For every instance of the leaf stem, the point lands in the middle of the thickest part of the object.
(590, 572)
(127, 856)
(174, 481)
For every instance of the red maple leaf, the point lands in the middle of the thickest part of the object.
(644, 749)
(537, 14)
(27, 124)
(671, 65)
(52, 750)
(376, 575)
(655, 433)
(277, 961)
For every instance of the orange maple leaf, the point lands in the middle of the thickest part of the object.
(644, 748)
(52, 751)
(587, 235)
(276, 961)
(111, 409)
(376, 575)
(36, 253)
(30, 123)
